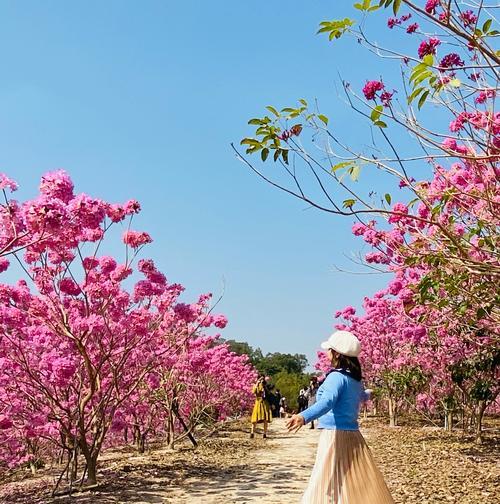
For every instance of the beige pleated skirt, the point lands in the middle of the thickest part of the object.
(345, 472)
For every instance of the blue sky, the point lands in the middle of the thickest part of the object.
(142, 100)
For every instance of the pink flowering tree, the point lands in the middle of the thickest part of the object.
(77, 345)
(451, 220)
(440, 237)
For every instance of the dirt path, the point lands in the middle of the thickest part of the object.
(276, 474)
(421, 466)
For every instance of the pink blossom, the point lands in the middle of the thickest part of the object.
(412, 28)
(468, 18)
(68, 286)
(404, 183)
(57, 185)
(451, 60)
(392, 22)
(4, 264)
(358, 229)
(386, 98)
(220, 321)
(395, 287)
(120, 273)
(370, 89)
(377, 257)
(136, 239)
(428, 47)
(398, 208)
(132, 207)
(108, 264)
(444, 16)
(484, 95)
(7, 183)
(431, 5)
(450, 144)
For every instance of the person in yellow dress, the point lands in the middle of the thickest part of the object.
(261, 412)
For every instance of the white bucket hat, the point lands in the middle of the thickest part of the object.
(344, 343)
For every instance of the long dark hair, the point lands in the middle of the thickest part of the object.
(348, 365)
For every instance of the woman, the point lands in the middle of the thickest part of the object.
(344, 471)
(261, 411)
(311, 395)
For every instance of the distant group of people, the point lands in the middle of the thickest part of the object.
(270, 403)
(307, 396)
(344, 471)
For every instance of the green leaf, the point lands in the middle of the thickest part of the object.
(380, 124)
(428, 59)
(487, 25)
(339, 166)
(277, 153)
(388, 198)
(303, 102)
(414, 94)
(323, 119)
(421, 77)
(264, 153)
(376, 113)
(335, 28)
(349, 203)
(255, 121)
(395, 6)
(250, 141)
(284, 155)
(422, 99)
(358, 6)
(273, 110)
(417, 71)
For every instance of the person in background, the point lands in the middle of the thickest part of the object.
(261, 412)
(283, 407)
(277, 403)
(344, 471)
(311, 395)
(302, 400)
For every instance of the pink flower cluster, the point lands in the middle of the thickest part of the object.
(371, 88)
(428, 47)
(451, 60)
(431, 5)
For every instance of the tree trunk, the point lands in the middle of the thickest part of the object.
(90, 460)
(92, 470)
(141, 442)
(448, 420)
(74, 465)
(170, 431)
(392, 412)
(479, 421)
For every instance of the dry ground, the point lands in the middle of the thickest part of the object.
(421, 466)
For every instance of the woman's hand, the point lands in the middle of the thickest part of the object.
(295, 423)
